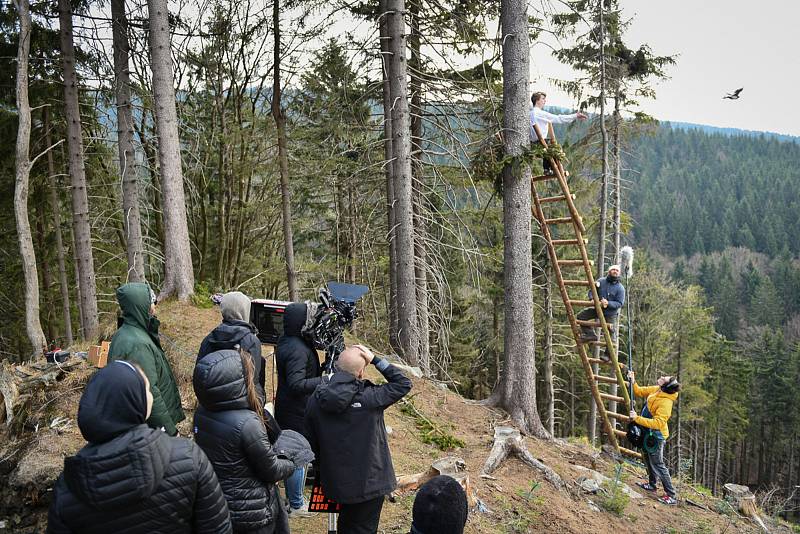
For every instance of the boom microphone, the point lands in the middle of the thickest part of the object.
(626, 260)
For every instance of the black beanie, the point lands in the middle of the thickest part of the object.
(440, 507)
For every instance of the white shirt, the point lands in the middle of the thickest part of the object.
(542, 118)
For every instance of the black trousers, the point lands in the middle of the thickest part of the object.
(360, 518)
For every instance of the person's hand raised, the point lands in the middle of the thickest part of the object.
(365, 353)
(582, 116)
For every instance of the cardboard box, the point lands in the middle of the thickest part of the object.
(98, 354)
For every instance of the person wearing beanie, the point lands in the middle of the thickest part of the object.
(612, 296)
(346, 430)
(298, 369)
(655, 413)
(137, 340)
(440, 507)
(130, 478)
(236, 329)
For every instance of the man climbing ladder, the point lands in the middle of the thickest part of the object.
(612, 297)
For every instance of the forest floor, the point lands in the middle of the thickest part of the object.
(517, 499)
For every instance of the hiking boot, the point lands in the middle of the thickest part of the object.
(300, 512)
(605, 356)
(669, 501)
(646, 486)
(587, 336)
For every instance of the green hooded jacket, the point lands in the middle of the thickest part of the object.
(137, 341)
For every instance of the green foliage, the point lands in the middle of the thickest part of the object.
(429, 431)
(614, 499)
(202, 295)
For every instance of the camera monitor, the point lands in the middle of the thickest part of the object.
(267, 316)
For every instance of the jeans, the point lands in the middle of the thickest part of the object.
(294, 488)
(656, 470)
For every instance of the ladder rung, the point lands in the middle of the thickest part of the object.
(544, 177)
(559, 198)
(614, 398)
(558, 220)
(606, 379)
(598, 361)
(574, 262)
(619, 416)
(589, 324)
(630, 452)
(582, 302)
(577, 282)
(621, 433)
(568, 241)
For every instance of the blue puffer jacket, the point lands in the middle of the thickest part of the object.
(614, 292)
(235, 440)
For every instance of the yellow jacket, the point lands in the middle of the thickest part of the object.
(660, 406)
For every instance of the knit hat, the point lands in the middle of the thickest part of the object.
(440, 507)
(235, 306)
(615, 266)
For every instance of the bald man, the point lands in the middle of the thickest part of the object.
(344, 424)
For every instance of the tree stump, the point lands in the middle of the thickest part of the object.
(508, 441)
(743, 500)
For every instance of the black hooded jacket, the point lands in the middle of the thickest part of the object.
(236, 442)
(344, 422)
(231, 333)
(298, 370)
(131, 478)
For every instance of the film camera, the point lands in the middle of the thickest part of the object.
(326, 320)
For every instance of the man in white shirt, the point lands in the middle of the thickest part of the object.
(543, 119)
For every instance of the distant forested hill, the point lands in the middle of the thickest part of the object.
(696, 192)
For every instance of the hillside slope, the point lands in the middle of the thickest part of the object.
(516, 498)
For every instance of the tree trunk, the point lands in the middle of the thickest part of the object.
(23, 171)
(518, 384)
(178, 270)
(47, 279)
(55, 211)
(127, 157)
(678, 429)
(389, 171)
(80, 202)
(420, 237)
(406, 304)
(549, 387)
(602, 202)
(283, 158)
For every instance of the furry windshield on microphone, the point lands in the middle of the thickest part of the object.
(626, 260)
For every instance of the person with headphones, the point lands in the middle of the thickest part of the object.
(655, 414)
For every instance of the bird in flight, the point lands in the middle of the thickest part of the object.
(734, 95)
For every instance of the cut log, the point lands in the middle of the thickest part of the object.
(508, 441)
(18, 383)
(451, 466)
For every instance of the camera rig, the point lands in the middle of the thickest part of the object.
(327, 319)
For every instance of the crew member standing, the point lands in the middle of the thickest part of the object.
(345, 426)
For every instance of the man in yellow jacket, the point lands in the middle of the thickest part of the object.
(655, 414)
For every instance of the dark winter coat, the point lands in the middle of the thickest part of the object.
(131, 478)
(231, 333)
(298, 370)
(235, 440)
(344, 422)
(614, 292)
(137, 341)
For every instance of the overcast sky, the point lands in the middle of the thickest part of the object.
(722, 45)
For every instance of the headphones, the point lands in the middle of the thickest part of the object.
(672, 386)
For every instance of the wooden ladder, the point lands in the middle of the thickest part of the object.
(582, 280)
